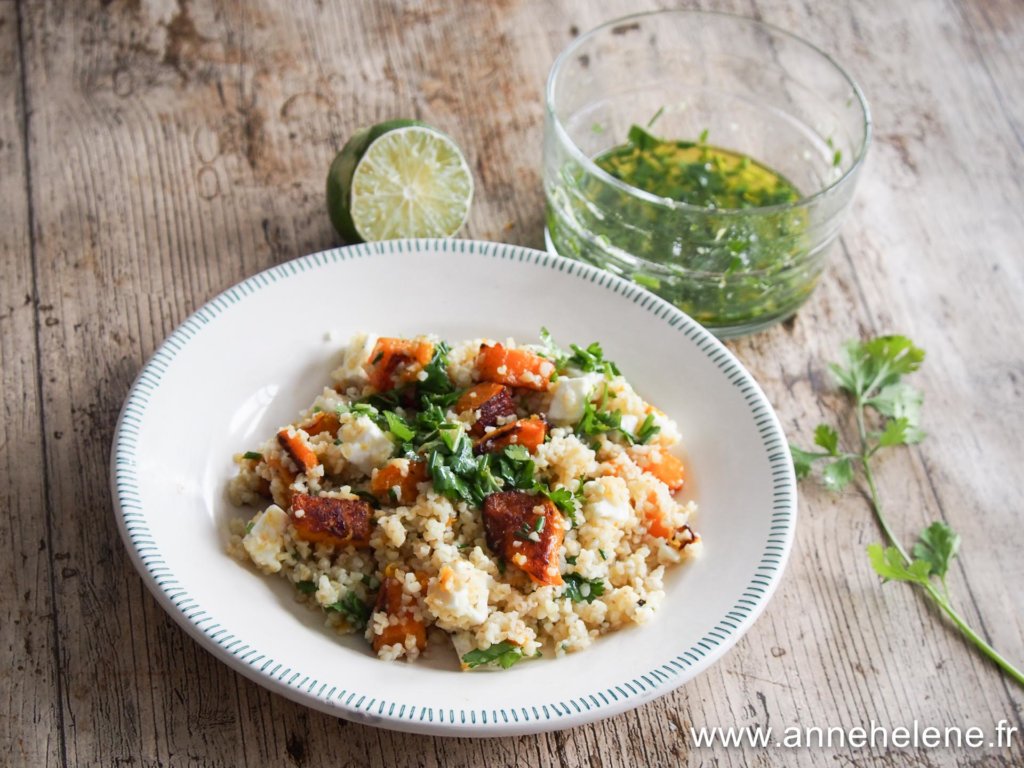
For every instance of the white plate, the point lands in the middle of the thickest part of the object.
(251, 358)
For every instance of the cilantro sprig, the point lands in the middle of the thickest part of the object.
(504, 654)
(589, 359)
(887, 413)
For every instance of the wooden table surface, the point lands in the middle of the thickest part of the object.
(153, 153)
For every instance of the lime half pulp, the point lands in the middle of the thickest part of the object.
(399, 179)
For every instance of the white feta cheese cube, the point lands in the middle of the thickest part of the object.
(351, 371)
(265, 539)
(458, 597)
(607, 498)
(569, 396)
(363, 444)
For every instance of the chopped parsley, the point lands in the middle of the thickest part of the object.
(460, 475)
(355, 611)
(254, 455)
(647, 429)
(592, 359)
(398, 426)
(306, 587)
(597, 420)
(581, 589)
(249, 526)
(436, 383)
(589, 359)
(504, 654)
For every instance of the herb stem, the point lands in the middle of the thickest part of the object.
(971, 635)
(936, 597)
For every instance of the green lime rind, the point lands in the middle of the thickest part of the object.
(343, 168)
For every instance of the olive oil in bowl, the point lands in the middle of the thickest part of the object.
(717, 233)
(695, 173)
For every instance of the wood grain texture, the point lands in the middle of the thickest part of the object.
(30, 729)
(174, 147)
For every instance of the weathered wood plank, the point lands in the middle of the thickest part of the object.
(179, 146)
(30, 728)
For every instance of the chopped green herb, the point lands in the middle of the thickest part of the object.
(306, 587)
(602, 554)
(253, 455)
(592, 359)
(597, 420)
(398, 426)
(355, 611)
(647, 430)
(571, 559)
(581, 589)
(316, 409)
(249, 526)
(504, 654)
(364, 409)
(436, 383)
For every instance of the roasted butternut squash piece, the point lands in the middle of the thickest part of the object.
(397, 361)
(527, 531)
(666, 467)
(491, 402)
(514, 367)
(322, 421)
(298, 449)
(331, 521)
(528, 433)
(389, 601)
(391, 476)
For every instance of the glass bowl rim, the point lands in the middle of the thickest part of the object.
(591, 167)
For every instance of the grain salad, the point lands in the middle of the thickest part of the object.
(506, 498)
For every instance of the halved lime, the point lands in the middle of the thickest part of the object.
(399, 179)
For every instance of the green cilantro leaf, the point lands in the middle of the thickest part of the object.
(937, 545)
(579, 588)
(898, 432)
(826, 437)
(902, 403)
(803, 461)
(875, 364)
(517, 453)
(436, 381)
(355, 611)
(889, 564)
(838, 474)
(505, 654)
(306, 587)
(399, 427)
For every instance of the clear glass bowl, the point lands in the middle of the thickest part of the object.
(754, 89)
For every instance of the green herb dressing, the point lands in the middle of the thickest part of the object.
(696, 173)
(734, 256)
